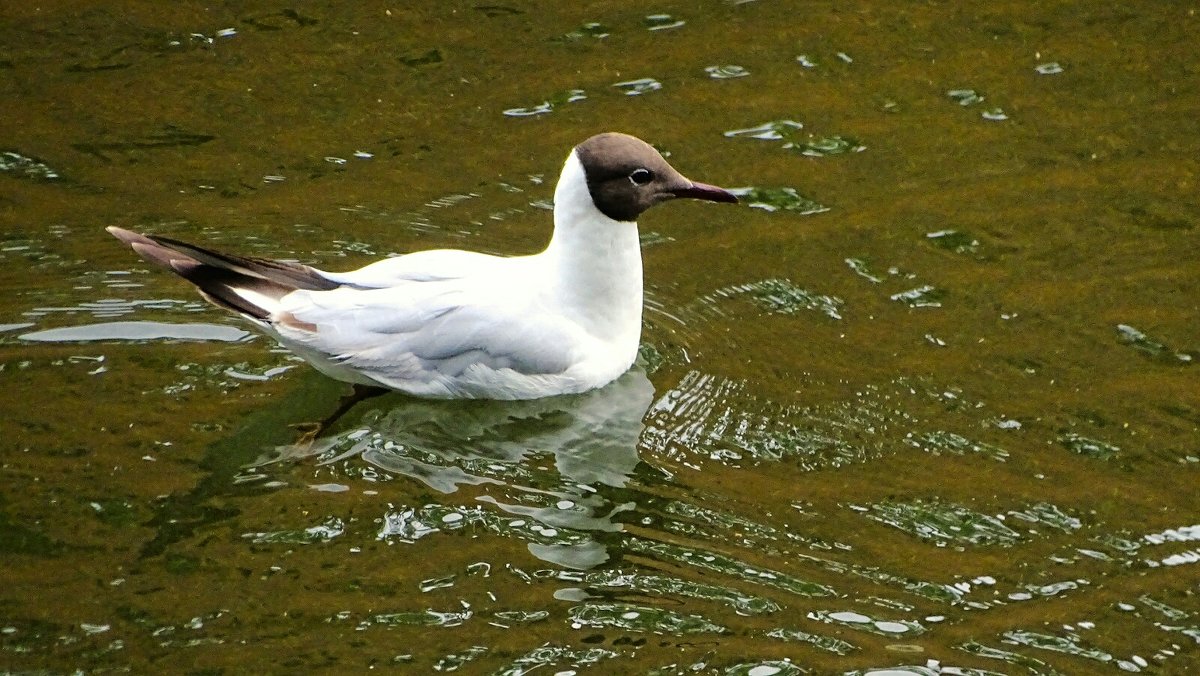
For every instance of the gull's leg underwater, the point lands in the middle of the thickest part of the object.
(310, 431)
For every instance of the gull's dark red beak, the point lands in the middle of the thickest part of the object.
(703, 191)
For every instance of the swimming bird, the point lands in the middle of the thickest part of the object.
(451, 324)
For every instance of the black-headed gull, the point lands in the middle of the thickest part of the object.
(452, 324)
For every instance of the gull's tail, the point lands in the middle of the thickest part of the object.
(249, 286)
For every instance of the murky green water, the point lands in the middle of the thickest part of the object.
(930, 402)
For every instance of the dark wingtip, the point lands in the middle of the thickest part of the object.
(184, 267)
(159, 255)
(128, 236)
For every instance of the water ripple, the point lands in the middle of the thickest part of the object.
(640, 618)
(726, 72)
(16, 164)
(638, 87)
(554, 101)
(660, 22)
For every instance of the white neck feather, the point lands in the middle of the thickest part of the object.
(595, 262)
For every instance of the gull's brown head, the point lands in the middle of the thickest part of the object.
(626, 176)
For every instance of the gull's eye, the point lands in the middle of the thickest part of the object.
(641, 176)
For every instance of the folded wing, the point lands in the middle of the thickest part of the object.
(441, 333)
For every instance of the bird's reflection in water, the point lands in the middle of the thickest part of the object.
(501, 448)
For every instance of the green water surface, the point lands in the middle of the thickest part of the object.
(927, 400)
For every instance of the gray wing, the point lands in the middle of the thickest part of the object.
(432, 329)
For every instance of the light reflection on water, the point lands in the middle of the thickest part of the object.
(591, 439)
(108, 331)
